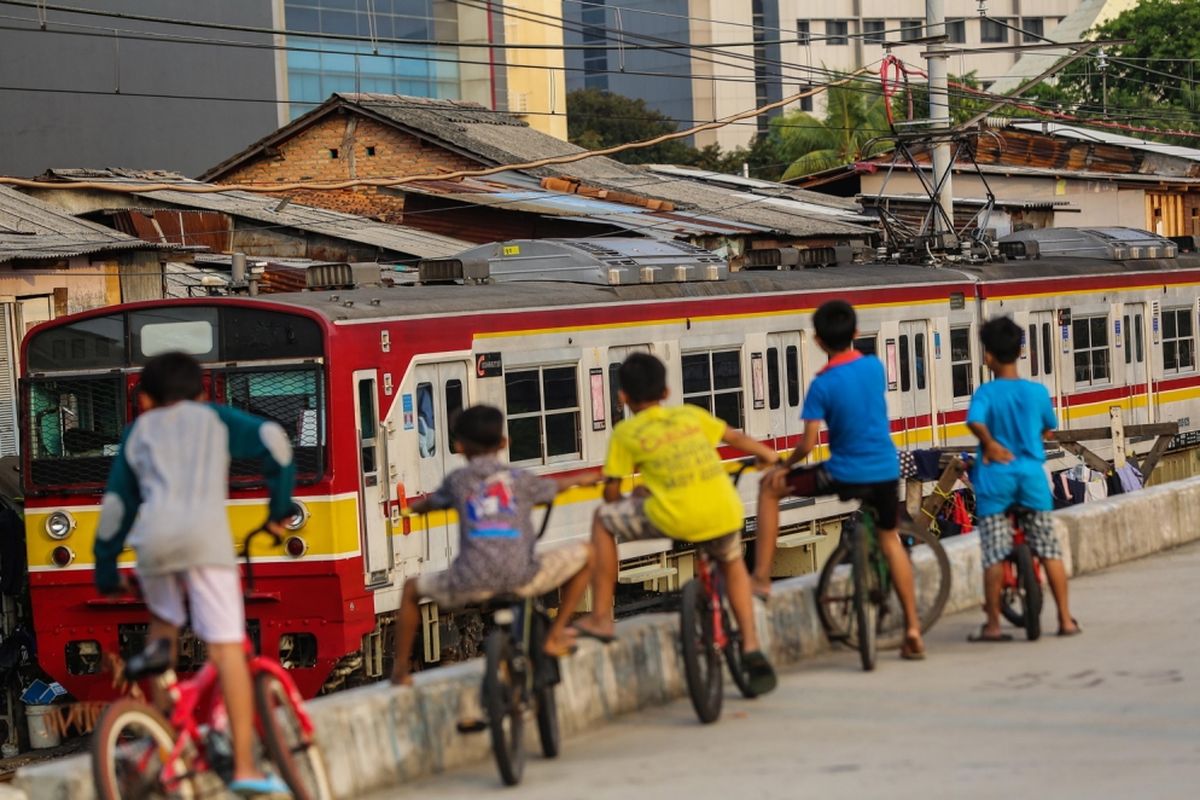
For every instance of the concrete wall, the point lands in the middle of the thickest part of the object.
(70, 113)
(380, 735)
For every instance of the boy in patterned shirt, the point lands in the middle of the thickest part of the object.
(494, 501)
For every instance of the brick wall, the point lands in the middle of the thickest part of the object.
(364, 149)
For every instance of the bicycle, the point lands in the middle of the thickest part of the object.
(137, 752)
(1022, 583)
(707, 631)
(518, 675)
(855, 601)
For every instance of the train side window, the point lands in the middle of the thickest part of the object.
(792, 357)
(905, 365)
(867, 345)
(543, 414)
(1048, 349)
(919, 359)
(1127, 334)
(616, 407)
(1091, 349)
(774, 394)
(454, 404)
(1179, 344)
(713, 381)
(1139, 354)
(960, 361)
(426, 421)
(366, 411)
(1032, 347)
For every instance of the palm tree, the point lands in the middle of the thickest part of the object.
(854, 115)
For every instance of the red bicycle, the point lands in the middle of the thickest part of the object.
(1021, 597)
(137, 752)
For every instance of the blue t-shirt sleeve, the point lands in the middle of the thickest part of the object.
(814, 403)
(1049, 419)
(980, 406)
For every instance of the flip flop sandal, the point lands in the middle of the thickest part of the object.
(563, 652)
(1078, 630)
(760, 677)
(603, 638)
(761, 595)
(981, 637)
(910, 653)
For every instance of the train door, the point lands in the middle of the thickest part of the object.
(1039, 349)
(373, 501)
(441, 394)
(1137, 371)
(915, 392)
(784, 384)
(616, 356)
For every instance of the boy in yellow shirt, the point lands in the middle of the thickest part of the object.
(686, 495)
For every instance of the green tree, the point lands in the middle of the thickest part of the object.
(854, 119)
(597, 118)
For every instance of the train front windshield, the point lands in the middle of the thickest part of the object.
(81, 386)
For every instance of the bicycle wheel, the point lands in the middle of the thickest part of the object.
(701, 661)
(835, 595)
(129, 747)
(547, 721)
(1031, 592)
(1012, 603)
(931, 587)
(733, 654)
(293, 752)
(502, 689)
(866, 612)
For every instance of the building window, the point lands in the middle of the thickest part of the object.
(1179, 346)
(836, 31)
(961, 371)
(1091, 349)
(992, 32)
(371, 150)
(713, 381)
(543, 415)
(910, 29)
(956, 31)
(1033, 29)
(803, 31)
(806, 102)
(333, 152)
(873, 31)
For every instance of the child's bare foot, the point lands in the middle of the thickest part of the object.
(401, 678)
(760, 587)
(561, 644)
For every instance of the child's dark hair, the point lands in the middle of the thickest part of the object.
(1002, 338)
(479, 429)
(836, 322)
(172, 377)
(643, 378)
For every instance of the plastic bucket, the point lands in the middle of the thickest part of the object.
(43, 727)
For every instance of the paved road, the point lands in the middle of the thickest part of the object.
(1114, 713)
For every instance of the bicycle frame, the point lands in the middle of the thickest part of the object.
(712, 590)
(1011, 578)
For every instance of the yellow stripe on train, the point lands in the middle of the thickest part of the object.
(330, 532)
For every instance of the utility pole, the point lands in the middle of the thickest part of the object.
(939, 115)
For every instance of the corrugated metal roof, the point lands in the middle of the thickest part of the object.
(265, 208)
(1108, 137)
(31, 229)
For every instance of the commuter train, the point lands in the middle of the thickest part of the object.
(366, 379)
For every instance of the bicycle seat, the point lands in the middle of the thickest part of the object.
(154, 660)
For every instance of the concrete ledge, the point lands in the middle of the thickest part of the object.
(379, 736)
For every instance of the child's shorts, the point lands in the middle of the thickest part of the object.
(626, 520)
(556, 566)
(884, 497)
(996, 536)
(214, 598)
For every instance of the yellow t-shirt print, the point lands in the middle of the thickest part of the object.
(674, 449)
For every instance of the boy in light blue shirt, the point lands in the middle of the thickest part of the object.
(1011, 417)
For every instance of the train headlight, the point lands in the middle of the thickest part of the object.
(299, 517)
(59, 525)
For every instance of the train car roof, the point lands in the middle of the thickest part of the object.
(422, 301)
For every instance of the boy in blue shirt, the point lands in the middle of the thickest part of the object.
(848, 395)
(1011, 417)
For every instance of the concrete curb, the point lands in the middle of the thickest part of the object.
(380, 735)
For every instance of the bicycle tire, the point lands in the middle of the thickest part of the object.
(865, 609)
(835, 595)
(502, 704)
(1012, 604)
(547, 722)
(141, 780)
(294, 753)
(734, 647)
(1031, 592)
(701, 661)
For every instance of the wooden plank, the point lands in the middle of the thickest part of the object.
(933, 504)
(1096, 434)
(1154, 456)
(1091, 459)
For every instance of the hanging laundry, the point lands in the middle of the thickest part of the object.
(1131, 477)
(1097, 486)
(908, 465)
(928, 464)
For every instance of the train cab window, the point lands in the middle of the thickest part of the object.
(74, 427)
(774, 393)
(367, 424)
(867, 345)
(961, 373)
(294, 398)
(1179, 344)
(426, 421)
(713, 381)
(1091, 349)
(792, 358)
(543, 414)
